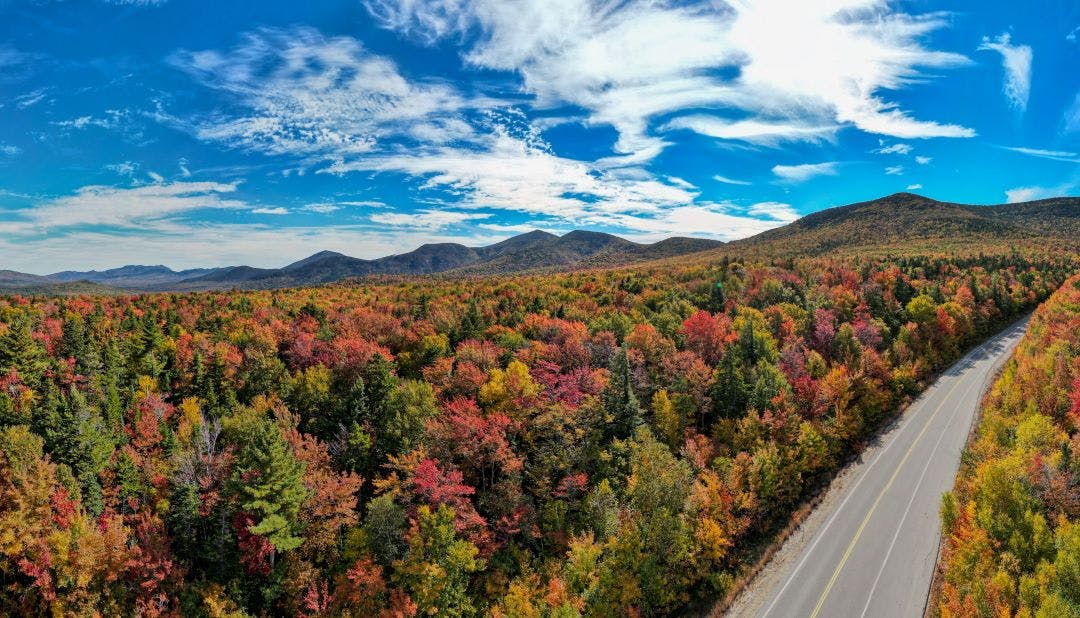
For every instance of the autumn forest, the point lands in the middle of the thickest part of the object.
(594, 443)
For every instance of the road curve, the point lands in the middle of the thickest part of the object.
(869, 550)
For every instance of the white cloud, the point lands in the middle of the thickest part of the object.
(11, 57)
(515, 171)
(138, 3)
(141, 207)
(799, 67)
(518, 228)
(112, 119)
(307, 94)
(1072, 116)
(898, 148)
(752, 131)
(923, 160)
(1016, 60)
(78, 123)
(712, 220)
(124, 168)
(805, 171)
(321, 208)
(914, 187)
(31, 98)
(365, 204)
(1056, 155)
(427, 219)
(774, 210)
(9, 150)
(894, 170)
(730, 181)
(155, 177)
(1027, 194)
(279, 210)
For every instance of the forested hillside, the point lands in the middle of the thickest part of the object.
(1012, 525)
(596, 443)
(906, 223)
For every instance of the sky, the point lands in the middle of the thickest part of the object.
(192, 133)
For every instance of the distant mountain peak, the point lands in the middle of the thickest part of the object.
(536, 234)
(904, 195)
(324, 254)
(315, 257)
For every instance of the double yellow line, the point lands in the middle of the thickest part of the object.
(873, 507)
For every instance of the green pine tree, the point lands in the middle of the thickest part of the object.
(622, 410)
(271, 485)
(716, 298)
(20, 350)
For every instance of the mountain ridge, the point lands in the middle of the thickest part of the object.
(902, 221)
(528, 251)
(897, 222)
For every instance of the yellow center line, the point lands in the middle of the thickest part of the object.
(873, 507)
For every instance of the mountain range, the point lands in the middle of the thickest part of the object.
(535, 250)
(894, 223)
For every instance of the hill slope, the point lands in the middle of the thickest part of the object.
(12, 282)
(906, 221)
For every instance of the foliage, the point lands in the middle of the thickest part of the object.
(603, 442)
(1012, 523)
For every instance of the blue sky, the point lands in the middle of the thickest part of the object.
(208, 133)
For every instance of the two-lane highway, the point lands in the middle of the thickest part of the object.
(870, 548)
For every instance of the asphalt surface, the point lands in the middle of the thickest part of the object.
(871, 547)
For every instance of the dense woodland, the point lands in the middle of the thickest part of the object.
(1013, 522)
(601, 443)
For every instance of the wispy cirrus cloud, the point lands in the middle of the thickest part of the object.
(16, 64)
(722, 221)
(342, 109)
(516, 171)
(321, 208)
(299, 92)
(810, 64)
(761, 133)
(1055, 155)
(897, 148)
(805, 171)
(111, 120)
(1016, 61)
(427, 219)
(1072, 115)
(123, 168)
(128, 208)
(731, 181)
(30, 99)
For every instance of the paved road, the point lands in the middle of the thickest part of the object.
(870, 549)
